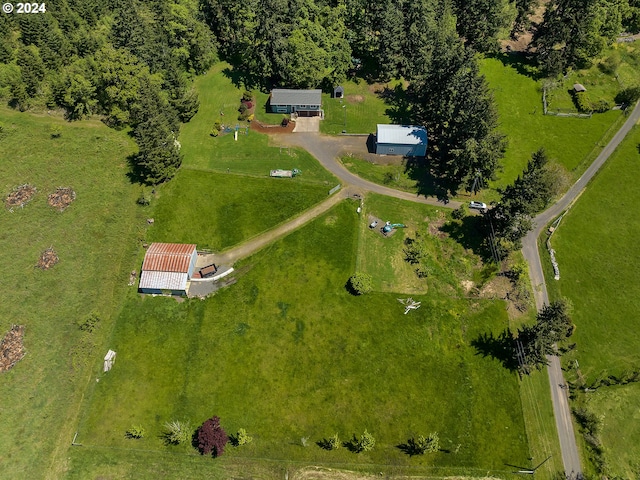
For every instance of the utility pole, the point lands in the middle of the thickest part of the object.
(344, 109)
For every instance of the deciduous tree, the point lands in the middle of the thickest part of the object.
(211, 437)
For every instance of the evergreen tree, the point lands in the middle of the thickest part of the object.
(573, 32)
(511, 218)
(482, 22)
(159, 157)
(453, 101)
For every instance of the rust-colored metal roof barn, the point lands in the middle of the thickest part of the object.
(168, 257)
(168, 267)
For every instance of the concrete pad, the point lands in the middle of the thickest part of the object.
(307, 124)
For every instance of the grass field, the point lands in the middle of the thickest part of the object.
(287, 353)
(383, 257)
(618, 408)
(595, 247)
(519, 100)
(95, 239)
(361, 109)
(251, 154)
(212, 209)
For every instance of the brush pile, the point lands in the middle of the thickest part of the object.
(61, 198)
(11, 348)
(48, 259)
(20, 196)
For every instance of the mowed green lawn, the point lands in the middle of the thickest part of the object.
(217, 211)
(361, 109)
(252, 154)
(596, 247)
(288, 354)
(95, 239)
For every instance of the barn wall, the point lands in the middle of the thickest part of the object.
(399, 149)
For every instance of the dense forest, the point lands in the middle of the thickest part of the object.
(131, 62)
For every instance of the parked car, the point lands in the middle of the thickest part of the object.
(374, 224)
(478, 206)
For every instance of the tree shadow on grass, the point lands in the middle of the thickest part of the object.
(417, 169)
(501, 348)
(470, 233)
(243, 79)
(135, 173)
(523, 63)
(399, 110)
(353, 445)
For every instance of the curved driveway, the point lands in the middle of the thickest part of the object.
(328, 149)
(561, 410)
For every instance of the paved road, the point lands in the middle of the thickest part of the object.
(562, 412)
(327, 151)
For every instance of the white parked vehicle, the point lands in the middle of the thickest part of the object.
(478, 206)
(373, 224)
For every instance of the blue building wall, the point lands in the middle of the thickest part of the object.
(400, 149)
(294, 108)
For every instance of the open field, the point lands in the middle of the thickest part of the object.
(95, 239)
(519, 100)
(594, 246)
(383, 257)
(251, 154)
(617, 406)
(287, 353)
(217, 211)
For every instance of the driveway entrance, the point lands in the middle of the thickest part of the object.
(307, 124)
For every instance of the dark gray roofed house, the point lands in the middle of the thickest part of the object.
(305, 103)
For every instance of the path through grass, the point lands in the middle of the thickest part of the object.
(287, 353)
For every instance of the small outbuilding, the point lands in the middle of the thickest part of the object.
(167, 268)
(578, 87)
(407, 140)
(338, 92)
(304, 103)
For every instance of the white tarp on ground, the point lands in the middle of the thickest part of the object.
(109, 359)
(163, 280)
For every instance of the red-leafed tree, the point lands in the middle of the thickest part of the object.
(211, 437)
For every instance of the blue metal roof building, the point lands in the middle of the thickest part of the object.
(407, 140)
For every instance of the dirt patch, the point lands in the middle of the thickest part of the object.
(503, 288)
(12, 348)
(48, 259)
(271, 129)
(61, 198)
(355, 98)
(436, 225)
(322, 473)
(20, 196)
